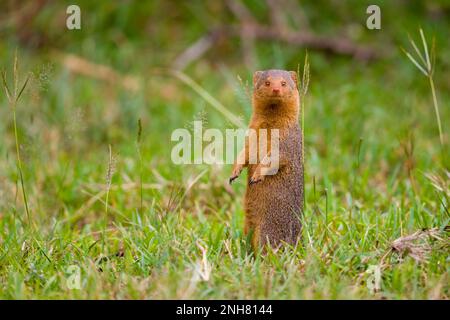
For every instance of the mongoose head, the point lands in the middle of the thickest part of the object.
(275, 87)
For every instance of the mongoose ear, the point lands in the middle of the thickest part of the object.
(256, 76)
(294, 77)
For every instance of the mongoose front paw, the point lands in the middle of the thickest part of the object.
(236, 172)
(256, 179)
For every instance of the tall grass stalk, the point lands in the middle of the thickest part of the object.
(138, 146)
(303, 91)
(109, 176)
(13, 99)
(426, 66)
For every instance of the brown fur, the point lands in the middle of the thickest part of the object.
(273, 203)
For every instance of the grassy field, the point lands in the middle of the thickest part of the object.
(105, 200)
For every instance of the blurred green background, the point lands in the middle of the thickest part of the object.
(371, 140)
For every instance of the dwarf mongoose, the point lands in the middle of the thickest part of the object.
(274, 202)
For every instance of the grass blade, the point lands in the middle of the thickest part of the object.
(436, 110)
(139, 135)
(5, 85)
(433, 56)
(23, 88)
(208, 97)
(425, 47)
(16, 73)
(413, 44)
(415, 62)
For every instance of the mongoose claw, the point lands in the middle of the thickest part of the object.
(232, 179)
(254, 180)
(236, 172)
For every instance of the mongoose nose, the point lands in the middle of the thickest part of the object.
(276, 91)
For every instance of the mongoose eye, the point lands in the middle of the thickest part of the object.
(283, 83)
(267, 83)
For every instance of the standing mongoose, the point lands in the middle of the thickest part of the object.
(274, 198)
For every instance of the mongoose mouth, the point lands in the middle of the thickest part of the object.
(275, 97)
(273, 105)
(274, 101)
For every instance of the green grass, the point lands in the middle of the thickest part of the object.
(375, 171)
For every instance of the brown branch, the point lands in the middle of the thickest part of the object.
(335, 45)
(246, 20)
(296, 15)
(278, 31)
(303, 39)
(249, 30)
(240, 11)
(197, 49)
(276, 15)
